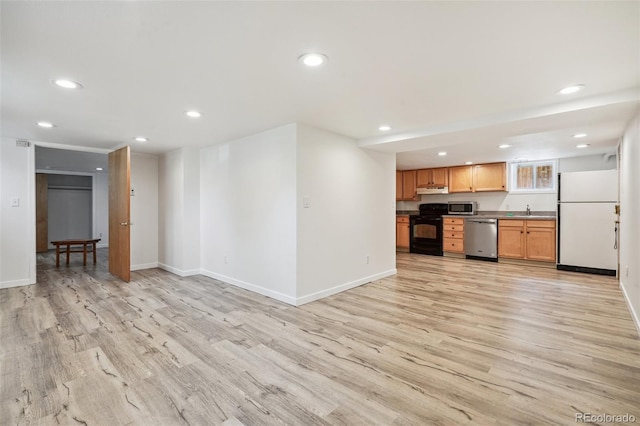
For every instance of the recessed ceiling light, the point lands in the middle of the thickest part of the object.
(580, 135)
(312, 59)
(141, 139)
(504, 145)
(468, 163)
(99, 169)
(582, 145)
(193, 114)
(442, 153)
(67, 84)
(45, 124)
(384, 128)
(571, 89)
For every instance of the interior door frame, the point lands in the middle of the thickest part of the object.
(31, 197)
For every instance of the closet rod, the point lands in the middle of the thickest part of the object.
(81, 188)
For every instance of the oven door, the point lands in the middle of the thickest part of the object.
(425, 235)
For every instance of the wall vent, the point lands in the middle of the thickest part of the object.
(22, 143)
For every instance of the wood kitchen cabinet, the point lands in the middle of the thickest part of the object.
(527, 239)
(402, 231)
(453, 235)
(406, 185)
(478, 178)
(432, 178)
(511, 241)
(461, 179)
(541, 240)
(490, 177)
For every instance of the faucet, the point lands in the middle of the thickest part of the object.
(528, 210)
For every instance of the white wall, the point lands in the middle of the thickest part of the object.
(144, 211)
(191, 211)
(17, 224)
(586, 163)
(248, 212)
(170, 197)
(629, 214)
(101, 211)
(351, 214)
(494, 201)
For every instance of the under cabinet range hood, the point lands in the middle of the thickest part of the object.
(439, 190)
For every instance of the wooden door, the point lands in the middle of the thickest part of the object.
(541, 240)
(119, 213)
(490, 177)
(511, 240)
(409, 185)
(42, 213)
(461, 179)
(398, 185)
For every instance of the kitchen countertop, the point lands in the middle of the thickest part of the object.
(407, 212)
(535, 215)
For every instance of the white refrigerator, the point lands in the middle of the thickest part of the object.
(587, 227)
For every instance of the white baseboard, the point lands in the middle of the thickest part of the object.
(102, 245)
(144, 266)
(251, 287)
(634, 314)
(299, 300)
(343, 287)
(16, 283)
(177, 271)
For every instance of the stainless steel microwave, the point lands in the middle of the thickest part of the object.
(463, 207)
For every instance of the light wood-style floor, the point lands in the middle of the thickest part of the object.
(446, 341)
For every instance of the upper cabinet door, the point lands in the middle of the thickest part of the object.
(409, 185)
(461, 179)
(424, 178)
(490, 177)
(439, 177)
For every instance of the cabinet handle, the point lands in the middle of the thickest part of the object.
(521, 232)
(528, 232)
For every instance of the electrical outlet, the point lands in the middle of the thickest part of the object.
(225, 259)
(100, 235)
(366, 260)
(133, 192)
(15, 202)
(306, 201)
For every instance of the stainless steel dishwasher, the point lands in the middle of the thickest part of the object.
(481, 239)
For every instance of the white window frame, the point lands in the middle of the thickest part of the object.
(513, 177)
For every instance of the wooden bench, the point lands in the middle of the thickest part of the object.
(83, 250)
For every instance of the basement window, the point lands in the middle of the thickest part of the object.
(534, 176)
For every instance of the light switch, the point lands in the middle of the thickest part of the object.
(133, 192)
(306, 201)
(15, 202)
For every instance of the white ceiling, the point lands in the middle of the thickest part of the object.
(461, 77)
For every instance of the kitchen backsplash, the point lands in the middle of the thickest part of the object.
(496, 201)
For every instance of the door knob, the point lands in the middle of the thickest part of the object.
(124, 223)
